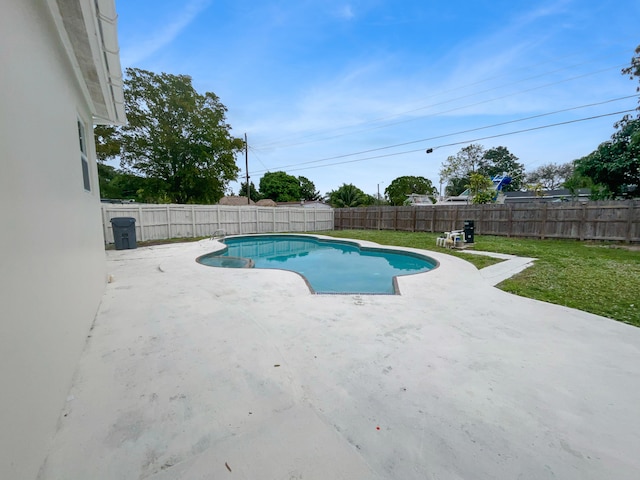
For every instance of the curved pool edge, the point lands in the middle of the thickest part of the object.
(363, 245)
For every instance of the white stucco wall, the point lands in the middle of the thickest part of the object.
(52, 270)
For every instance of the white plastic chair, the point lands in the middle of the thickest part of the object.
(451, 239)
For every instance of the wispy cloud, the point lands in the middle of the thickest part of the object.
(500, 58)
(544, 11)
(161, 38)
(346, 12)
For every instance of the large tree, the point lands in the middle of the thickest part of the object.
(280, 187)
(116, 184)
(178, 137)
(499, 160)
(633, 70)
(107, 142)
(399, 188)
(308, 189)
(616, 163)
(456, 169)
(253, 193)
(614, 167)
(551, 175)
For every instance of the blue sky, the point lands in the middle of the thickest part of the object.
(315, 82)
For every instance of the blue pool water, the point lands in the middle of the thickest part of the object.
(328, 266)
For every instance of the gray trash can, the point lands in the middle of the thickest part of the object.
(124, 232)
(468, 231)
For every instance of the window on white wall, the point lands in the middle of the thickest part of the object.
(83, 156)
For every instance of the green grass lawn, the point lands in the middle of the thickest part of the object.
(600, 278)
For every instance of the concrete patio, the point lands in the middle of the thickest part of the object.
(194, 372)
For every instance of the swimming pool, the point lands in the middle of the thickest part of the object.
(328, 266)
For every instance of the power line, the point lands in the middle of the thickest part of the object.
(465, 141)
(385, 125)
(275, 142)
(537, 128)
(455, 133)
(254, 151)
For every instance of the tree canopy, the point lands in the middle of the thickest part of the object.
(456, 170)
(399, 188)
(613, 169)
(107, 142)
(633, 70)
(116, 184)
(615, 164)
(499, 160)
(348, 195)
(282, 187)
(253, 193)
(308, 189)
(551, 175)
(480, 189)
(178, 137)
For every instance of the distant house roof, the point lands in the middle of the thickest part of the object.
(547, 196)
(235, 201)
(88, 30)
(266, 202)
(305, 204)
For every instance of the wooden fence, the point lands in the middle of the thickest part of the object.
(158, 222)
(613, 220)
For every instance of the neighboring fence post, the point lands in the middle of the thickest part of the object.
(257, 220)
(168, 222)
(454, 220)
(630, 213)
(433, 219)
(141, 221)
(582, 226)
(193, 221)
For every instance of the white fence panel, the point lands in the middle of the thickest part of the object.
(159, 222)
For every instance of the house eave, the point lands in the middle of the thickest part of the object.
(88, 32)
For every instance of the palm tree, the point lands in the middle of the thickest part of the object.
(348, 195)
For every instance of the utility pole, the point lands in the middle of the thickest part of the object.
(246, 168)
